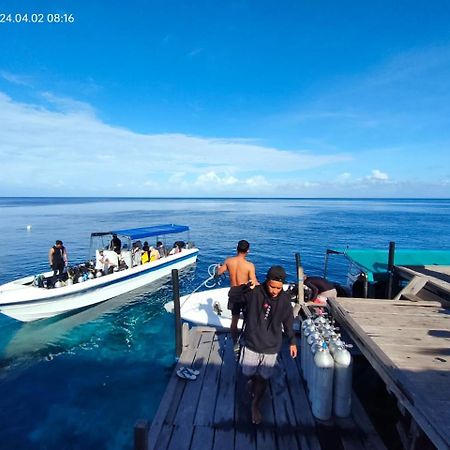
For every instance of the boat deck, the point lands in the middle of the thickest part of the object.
(408, 344)
(212, 412)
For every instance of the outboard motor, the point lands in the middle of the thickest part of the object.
(322, 392)
(342, 397)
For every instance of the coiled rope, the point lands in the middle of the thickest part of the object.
(212, 281)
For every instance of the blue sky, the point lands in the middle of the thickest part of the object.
(226, 99)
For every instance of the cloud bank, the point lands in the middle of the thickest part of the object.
(63, 148)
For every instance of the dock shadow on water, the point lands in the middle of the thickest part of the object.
(100, 347)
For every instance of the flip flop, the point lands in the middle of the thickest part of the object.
(193, 371)
(185, 374)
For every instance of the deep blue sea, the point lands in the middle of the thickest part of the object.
(81, 381)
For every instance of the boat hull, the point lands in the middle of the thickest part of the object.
(208, 308)
(199, 308)
(26, 303)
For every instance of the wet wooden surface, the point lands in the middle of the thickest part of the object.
(212, 412)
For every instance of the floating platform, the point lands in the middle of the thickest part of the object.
(213, 412)
(408, 344)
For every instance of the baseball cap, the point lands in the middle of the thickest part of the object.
(276, 273)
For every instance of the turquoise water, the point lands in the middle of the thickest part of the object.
(82, 380)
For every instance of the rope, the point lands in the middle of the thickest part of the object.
(209, 283)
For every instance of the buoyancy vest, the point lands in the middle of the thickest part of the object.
(58, 256)
(145, 258)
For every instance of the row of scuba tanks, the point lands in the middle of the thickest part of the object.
(327, 368)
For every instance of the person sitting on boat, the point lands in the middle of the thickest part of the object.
(321, 288)
(136, 253)
(161, 249)
(177, 247)
(125, 260)
(57, 258)
(145, 256)
(154, 254)
(269, 313)
(100, 261)
(115, 244)
(241, 271)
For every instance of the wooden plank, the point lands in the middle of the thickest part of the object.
(419, 335)
(203, 438)
(282, 405)
(163, 438)
(287, 440)
(351, 302)
(394, 378)
(370, 438)
(265, 439)
(207, 402)
(242, 409)
(190, 398)
(224, 413)
(172, 395)
(245, 439)
(223, 439)
(403, 322)
(181, 437)
(349, 434)
(302, 410)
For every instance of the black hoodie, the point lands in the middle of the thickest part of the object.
(265, 317)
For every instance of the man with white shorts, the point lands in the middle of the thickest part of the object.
(269, 313)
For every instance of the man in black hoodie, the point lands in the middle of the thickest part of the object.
(269, 312)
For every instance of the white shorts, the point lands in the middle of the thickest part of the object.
(261, 364)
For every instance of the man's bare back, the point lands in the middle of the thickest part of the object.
(241, 271)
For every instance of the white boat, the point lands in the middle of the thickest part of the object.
(26, 300)
(208, 308)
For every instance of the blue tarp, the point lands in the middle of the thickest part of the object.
(144, 232)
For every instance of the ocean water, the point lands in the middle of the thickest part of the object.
(81, 381)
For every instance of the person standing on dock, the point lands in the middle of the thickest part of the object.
(241, 272)
(57, 258)
(269, 313)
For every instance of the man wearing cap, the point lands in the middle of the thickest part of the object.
(269, 312)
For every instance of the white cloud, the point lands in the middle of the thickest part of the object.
(344, 177)
(20, 80)
(377, 175)
(91, 157)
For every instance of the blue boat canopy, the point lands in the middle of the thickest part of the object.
(144, 232)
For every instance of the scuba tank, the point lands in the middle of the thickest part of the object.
(313, 338)
(322, 392)
(342, 397)
(305, 348)
(305, 324)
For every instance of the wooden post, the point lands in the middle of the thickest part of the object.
(176, 309)
(391, 258)
(141, 428)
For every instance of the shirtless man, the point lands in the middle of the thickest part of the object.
(241, 272)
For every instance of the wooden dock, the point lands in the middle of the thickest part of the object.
(408, 344)
(212, 412)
